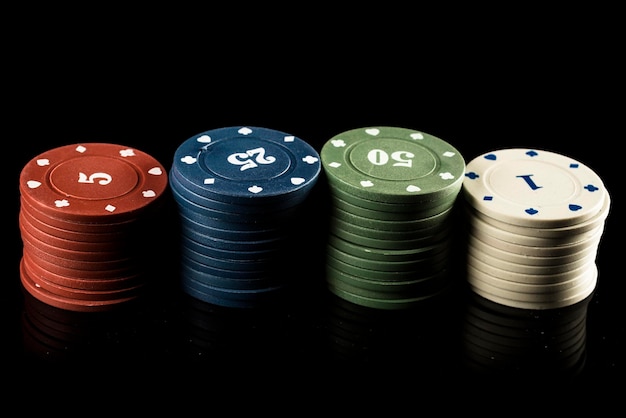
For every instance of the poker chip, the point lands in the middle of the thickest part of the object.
(533, 188)
(85, 222)
(392, 192)
(534, 221)
(239, 191)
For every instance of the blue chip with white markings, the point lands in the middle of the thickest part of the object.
(245, 165)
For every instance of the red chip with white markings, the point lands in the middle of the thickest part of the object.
(92, 181)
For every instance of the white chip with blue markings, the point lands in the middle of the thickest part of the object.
(533, 188)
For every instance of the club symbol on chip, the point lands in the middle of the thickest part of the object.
(127, 152)
(310, 159)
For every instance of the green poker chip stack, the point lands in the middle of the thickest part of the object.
(393, 191)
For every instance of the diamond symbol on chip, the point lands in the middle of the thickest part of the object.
(61, 203)
(309, 159)
(204, 139)
(372, 131)
(255, 189)
(448, 154)
(417, 135)
(366, 183)
(209, 181)
(245, 131)
(148, 193)
(110, 208)
(33, 184)
(335, 164)
(42, 162)
(446, 176)
(81, 149)
(188, 159)
(289, 138)
(338, 143)
(127, 152)
(156, 171)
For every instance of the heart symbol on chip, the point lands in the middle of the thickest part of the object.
(148, 193)
(372, 131)
(33, 184)
(155, 171)
(412, 188)
(297, 180)
(366, 183)
(574, 207)
(204, 139)
(417, 135)
(491, 157)
(43, 161)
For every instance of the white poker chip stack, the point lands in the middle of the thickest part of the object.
(534, 222)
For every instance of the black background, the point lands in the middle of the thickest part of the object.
(478, 87)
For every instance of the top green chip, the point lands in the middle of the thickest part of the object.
(390, 164)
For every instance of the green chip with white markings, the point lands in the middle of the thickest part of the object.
(392, 164)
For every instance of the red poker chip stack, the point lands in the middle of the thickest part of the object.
(86, 212)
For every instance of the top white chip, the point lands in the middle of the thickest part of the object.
(533, 188)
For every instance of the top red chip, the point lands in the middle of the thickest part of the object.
(92, 182)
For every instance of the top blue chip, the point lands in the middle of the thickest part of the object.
(243, 165)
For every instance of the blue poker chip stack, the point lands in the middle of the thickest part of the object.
(238, 191)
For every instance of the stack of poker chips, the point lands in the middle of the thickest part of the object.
(238, 191)
(534, 222)
(85, 214)
(393, 192)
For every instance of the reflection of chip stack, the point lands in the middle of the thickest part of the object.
(503, 341)
(534, 221)
(238, 191)
(85, 224)
(393, 192)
